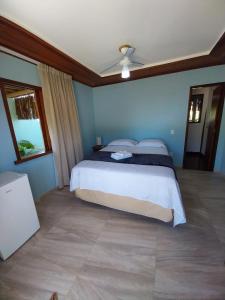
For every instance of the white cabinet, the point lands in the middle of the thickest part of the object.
(18, 216)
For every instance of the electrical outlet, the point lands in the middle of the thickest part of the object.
(172, 131)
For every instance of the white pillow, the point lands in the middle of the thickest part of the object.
(151, 143)
(123, 142)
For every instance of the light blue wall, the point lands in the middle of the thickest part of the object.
(18, 69)
(41, 171)
(84, 97)
(220, 157)
(151, 107)
(223, 162)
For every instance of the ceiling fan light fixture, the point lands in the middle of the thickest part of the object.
(125, 72)
(126, 61)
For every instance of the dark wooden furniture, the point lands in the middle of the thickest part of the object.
(96, 148)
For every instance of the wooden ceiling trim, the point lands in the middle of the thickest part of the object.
(219, 49)
(16, 38)
(173, 67)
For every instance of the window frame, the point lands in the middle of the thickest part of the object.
(43, 120)
(194, 99)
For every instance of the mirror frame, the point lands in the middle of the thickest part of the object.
(43, 122)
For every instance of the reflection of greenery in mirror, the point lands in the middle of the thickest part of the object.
(25, 119)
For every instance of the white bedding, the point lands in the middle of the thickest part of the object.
(150, 183)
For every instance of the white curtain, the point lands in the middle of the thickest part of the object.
(63, 120)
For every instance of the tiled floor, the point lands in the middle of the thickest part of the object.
(88, 252)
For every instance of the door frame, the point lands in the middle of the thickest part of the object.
(219, 119)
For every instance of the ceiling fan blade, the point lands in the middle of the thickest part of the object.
(110, 67)
(136, 63)
(138, 58)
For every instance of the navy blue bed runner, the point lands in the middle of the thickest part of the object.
(137, 159)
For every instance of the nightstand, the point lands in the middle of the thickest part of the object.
(97, 147)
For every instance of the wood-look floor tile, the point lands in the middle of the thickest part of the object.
(15, 290)
(120, 284)
(43, 279)
(184, 278)
(57, 247)
(132, 259)
(85, 290)
(86, 251)
(130, 232)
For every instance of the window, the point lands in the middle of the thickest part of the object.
(195, 108)
(25, 112)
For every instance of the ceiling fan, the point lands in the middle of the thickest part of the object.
(126, 61)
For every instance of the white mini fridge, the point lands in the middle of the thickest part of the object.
(18, 216)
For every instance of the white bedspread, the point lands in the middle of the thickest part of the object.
(150, 183)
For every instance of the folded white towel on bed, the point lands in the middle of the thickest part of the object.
(121, 155)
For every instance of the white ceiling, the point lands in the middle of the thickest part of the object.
(91, 31)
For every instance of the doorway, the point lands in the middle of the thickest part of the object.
(203, 126)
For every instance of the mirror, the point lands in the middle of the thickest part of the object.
(26, 120)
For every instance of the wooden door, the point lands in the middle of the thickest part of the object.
(214, 126)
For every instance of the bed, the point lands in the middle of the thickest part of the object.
(148, 190)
